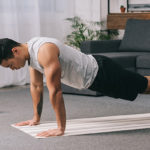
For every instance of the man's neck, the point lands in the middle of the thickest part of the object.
(26, 52)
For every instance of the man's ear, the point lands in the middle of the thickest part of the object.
(14, 50)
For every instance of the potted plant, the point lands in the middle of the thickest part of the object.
(122, 8)
(83, 30)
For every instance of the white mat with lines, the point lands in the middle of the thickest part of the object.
(93, 125)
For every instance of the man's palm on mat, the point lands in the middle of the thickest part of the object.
(51, 132)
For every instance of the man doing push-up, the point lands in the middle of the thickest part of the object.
(61, 63)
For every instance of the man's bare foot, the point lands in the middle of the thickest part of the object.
(147, 91)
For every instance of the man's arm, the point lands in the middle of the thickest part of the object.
(48, 58)
(36, 89)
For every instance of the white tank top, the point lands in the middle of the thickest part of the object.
(78, 70)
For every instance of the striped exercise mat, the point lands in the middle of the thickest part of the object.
(93, 125)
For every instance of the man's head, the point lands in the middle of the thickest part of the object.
(11, 54)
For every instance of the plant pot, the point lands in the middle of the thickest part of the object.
(123, 9)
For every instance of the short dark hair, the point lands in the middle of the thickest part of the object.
(6, 46)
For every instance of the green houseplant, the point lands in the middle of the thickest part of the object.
(83, 31)
(122, 9)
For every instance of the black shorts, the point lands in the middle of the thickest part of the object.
(114, 81)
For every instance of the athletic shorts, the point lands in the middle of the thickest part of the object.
(115, 81)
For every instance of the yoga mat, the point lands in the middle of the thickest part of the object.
(93, 125)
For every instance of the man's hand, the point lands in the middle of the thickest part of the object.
(28, 122)
(51, 132)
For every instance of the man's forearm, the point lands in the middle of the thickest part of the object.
(37, 97)
(59, 108)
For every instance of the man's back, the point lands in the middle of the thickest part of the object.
(77, 69)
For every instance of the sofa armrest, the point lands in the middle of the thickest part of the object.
(90, 47)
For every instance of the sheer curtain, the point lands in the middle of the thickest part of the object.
(23, 19)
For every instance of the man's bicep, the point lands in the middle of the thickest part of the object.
(53, 76)
(48, 58)
(36, 78)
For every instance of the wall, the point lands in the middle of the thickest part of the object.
(90, 11)
(115, 6)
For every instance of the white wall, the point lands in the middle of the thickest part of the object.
(115, 6)
(140, 1)
(88, 9)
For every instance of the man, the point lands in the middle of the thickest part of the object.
(59, 62)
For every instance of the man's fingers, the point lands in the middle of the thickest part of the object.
(54, 132)
(28, 122)
(24, 123)
(41, 133)
(33, 123)
(44, 134)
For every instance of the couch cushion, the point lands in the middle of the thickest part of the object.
(143, 72)
(100, 46)
(143, 61)
(125, 59)
(137, 36)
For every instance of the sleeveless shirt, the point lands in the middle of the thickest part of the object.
(78, 70)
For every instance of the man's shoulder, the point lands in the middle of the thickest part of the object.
(48, 49)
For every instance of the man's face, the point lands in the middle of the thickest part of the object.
(13, 63)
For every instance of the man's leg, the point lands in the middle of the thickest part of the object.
(114, 81)
(147, 91)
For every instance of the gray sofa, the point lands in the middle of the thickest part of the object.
(132, 52)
